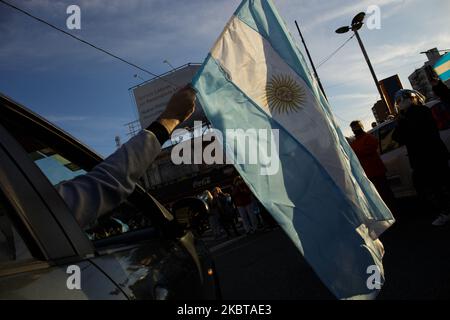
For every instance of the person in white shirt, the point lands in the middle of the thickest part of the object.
(107, 185)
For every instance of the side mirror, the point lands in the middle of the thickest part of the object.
(191, 214)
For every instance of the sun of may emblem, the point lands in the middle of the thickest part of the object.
(284, 94)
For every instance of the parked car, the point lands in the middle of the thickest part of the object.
(137, 251)
(395, 156)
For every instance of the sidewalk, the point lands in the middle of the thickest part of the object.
(214, 244)
(223, 241)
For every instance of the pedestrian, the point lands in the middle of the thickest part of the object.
(427, 153)
(257, 213)
(242, 197)
(366, 148)
(225, 212)
(214, 213)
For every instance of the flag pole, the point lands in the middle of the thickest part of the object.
(311, 61)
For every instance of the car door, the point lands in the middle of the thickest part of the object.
(37, 259)
(395, 158)
(133, 254)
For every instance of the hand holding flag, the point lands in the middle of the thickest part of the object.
(256, 78)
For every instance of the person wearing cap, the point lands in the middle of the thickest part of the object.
(428, 155)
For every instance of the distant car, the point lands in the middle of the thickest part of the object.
(395, 156)
(137, 251)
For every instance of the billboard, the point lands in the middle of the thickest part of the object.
(389, 87)
(152, 97)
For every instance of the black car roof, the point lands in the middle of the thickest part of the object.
(17, 112)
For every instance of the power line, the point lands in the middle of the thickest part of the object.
(85, 42)
(334, 52)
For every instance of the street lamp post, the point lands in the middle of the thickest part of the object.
(311, 61)
(137, 76)
(169, 64)
(357, 23)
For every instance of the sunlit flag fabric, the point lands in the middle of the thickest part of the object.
(256, 78)
(442, 67)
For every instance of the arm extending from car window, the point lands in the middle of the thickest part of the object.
(111, 182)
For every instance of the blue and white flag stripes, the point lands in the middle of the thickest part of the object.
(256, 78)
(442, 67)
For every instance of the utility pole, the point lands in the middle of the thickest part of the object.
(118, 142)
(363, 49)
(311, 61)
(357, 23)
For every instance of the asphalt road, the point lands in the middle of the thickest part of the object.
(268, 266)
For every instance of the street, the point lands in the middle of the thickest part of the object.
(268, 266)
(149, 148)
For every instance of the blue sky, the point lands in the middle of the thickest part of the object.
(86, 92)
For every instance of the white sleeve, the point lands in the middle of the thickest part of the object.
(111, 182)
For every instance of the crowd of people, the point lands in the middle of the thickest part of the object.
(417, 128)
(240, 208)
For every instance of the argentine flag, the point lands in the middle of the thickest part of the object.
(442, 67)
(256, 78)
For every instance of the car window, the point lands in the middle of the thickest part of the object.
(375, 133)
(12, 246)
(125, 218)
(387, 144)
(55, 167)
(58, 167)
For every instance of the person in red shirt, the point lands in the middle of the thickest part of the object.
(366, 148)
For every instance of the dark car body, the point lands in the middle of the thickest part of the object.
(192, 213)
(153, 260)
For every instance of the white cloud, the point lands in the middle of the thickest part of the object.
(147, 32)
(354, 96)
(346, 12)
